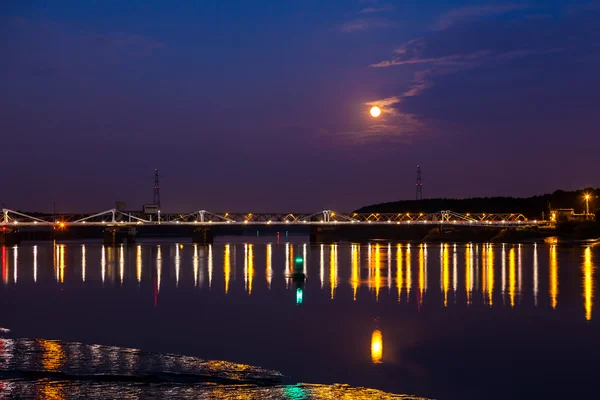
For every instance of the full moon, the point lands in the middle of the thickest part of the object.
(375, 112)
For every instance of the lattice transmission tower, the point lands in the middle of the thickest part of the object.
(419, 184)
(156, 189)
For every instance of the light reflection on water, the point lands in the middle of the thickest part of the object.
(478, 282)
(334, 282)
(51, 369)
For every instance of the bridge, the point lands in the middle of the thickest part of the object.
(115, 221)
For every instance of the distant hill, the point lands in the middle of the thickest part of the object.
(531, 207)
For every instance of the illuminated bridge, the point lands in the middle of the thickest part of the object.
(114, 221)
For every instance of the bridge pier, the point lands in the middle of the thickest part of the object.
(115, 234)
(202, 236)
(9, 237)
(324, 234)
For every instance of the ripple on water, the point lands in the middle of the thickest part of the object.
(51, 369)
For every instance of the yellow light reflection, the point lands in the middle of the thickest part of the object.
(250, 267)
(61, 263)
(454, 272)
(409, 272)
(520, 276)
(553, 287)
(512, 278)
(445, 273)
(138, 263)
(121, 264)
(377, 271)
(376, 347)
(469, 272)
(490, 275)
(227, 267)
(210, 265)
(35, 252)
(269, 273)
(422, 272)
(588, 283)
(332, 270)
(53, 356)
(484, 252)
(399, 272)
(83, 263)
(51, 390)
(355, 279)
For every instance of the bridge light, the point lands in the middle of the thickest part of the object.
(389, 221)
(16, 222)
(299, 259)
(287, 222)
(35, 222)
(246, 221)
(62, 224)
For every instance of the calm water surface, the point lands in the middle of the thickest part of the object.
(440, 321)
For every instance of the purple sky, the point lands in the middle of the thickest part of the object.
(263, 105)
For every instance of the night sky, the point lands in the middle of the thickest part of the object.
(264, 105)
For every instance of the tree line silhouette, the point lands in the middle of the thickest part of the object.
(534, 207)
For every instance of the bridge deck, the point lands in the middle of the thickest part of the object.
(113, 217)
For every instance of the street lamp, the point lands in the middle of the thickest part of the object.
(587, 204)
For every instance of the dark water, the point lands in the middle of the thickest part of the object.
(441, 321)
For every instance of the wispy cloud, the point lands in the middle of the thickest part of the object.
(449, 59)
(393, 124)
(377, 9)
(452, 17)
(363, 25)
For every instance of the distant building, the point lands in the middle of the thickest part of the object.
(566, 214)
(562, 214)
(150, 209)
